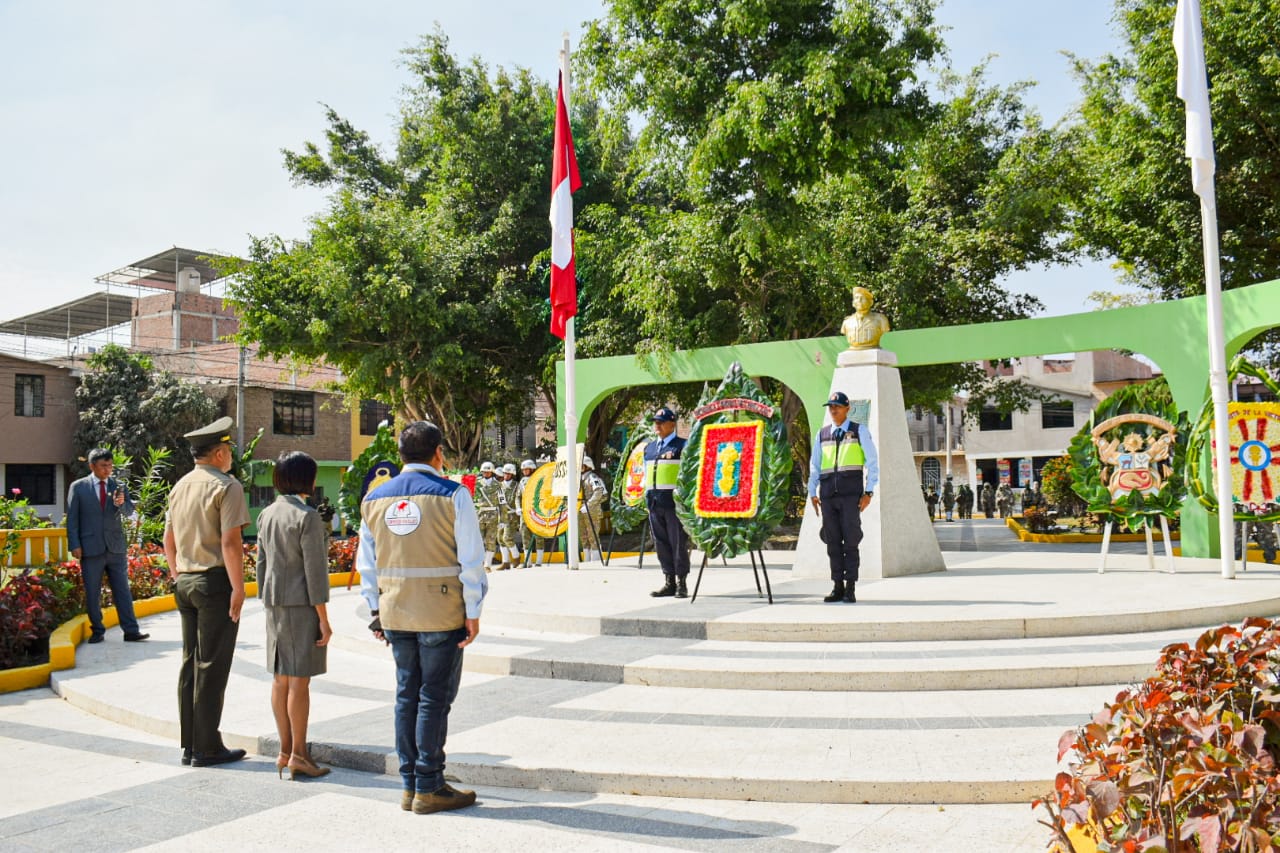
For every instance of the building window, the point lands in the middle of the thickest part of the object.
(293, 413)
(990, 420)
(1058, 415)
(37, 483)
(28, 397)
(931, 472)
(373, 413)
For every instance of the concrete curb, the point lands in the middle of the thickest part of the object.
(70, 634)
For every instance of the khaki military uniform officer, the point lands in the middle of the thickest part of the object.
(206, 559)
(510, 523)
(489, 511)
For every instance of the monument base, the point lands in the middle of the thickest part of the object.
(898, 537)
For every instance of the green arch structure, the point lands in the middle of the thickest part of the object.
(1172, 334)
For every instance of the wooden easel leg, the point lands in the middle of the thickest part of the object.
(644, 533)
(698, 582)
(1168, 544)
(1151, 548)
(756, 572)
(1244, 546)
(765, 570)
(1106, 544)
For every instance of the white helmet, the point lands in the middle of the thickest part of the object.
(586, 460)
(486, 466)
(528, 463)
(509, 468)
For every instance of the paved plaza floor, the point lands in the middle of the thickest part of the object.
(592, 717)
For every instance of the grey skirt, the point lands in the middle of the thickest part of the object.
(291, 641)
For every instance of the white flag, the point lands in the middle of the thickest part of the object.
(1193, 87)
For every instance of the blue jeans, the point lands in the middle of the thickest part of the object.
(428, 669)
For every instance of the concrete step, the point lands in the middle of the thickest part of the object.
(979, 597)
(823, 746)
(869, 666)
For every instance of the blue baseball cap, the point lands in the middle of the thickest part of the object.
(664, 414)
(837, 398)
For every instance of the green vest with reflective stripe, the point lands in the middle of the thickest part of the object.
(840, 471)
(843, 455)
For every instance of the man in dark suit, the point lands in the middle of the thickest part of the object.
(95, 506)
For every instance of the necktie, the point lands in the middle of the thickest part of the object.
(102, 493)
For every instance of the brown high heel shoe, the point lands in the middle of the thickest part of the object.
(305, 767)
(282, 761)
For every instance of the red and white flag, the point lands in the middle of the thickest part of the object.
(564, 181)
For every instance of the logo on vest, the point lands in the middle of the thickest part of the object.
(402, 517)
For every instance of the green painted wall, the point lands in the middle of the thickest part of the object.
(328, 477)
(1172, 334)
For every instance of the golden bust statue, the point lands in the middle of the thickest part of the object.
(864, 327)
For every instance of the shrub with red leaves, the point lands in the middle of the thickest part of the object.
(1185, 761)
(25, 618)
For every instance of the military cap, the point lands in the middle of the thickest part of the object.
(664, 414)
(218, 432)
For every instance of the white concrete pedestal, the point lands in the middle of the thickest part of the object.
(898, 538)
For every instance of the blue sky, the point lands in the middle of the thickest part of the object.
(133, 125)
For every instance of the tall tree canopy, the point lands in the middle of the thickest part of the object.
(791, 151)
(425, 280)
(126, 405)
(1134, 200)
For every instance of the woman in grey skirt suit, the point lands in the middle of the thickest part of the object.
(293, 583)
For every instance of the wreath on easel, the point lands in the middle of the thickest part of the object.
(731, 492)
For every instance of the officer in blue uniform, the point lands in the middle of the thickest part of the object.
(844, 471)
(661, 465)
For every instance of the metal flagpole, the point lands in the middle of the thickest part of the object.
(570, 381)
(1193, 88)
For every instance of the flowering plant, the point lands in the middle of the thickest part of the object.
(342, 554)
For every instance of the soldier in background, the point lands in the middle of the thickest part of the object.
(1004, 500)
(594, 495)
(931, 500)
(949, 498)
(529, 541)
(489, 511)
(508, 522)
(988, 500)
(964, 501)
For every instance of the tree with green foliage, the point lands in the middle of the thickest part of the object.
(126, 405)
(791, 151)
(1133, 198)
(425, 281)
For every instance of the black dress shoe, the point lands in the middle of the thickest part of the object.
(136, 638)
(186, 758)
(848, 594)
(96, 638)
(682, 589)
(668, 589)
(211, 759)
(837, 593)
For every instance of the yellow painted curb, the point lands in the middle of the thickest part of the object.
(73, 632)
(1065, 538)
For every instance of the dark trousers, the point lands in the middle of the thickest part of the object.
(208, 645)
(842, 530)
(116, 568)
(670, 540)
(428, 670)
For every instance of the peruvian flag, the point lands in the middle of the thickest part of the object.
(564, 181)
